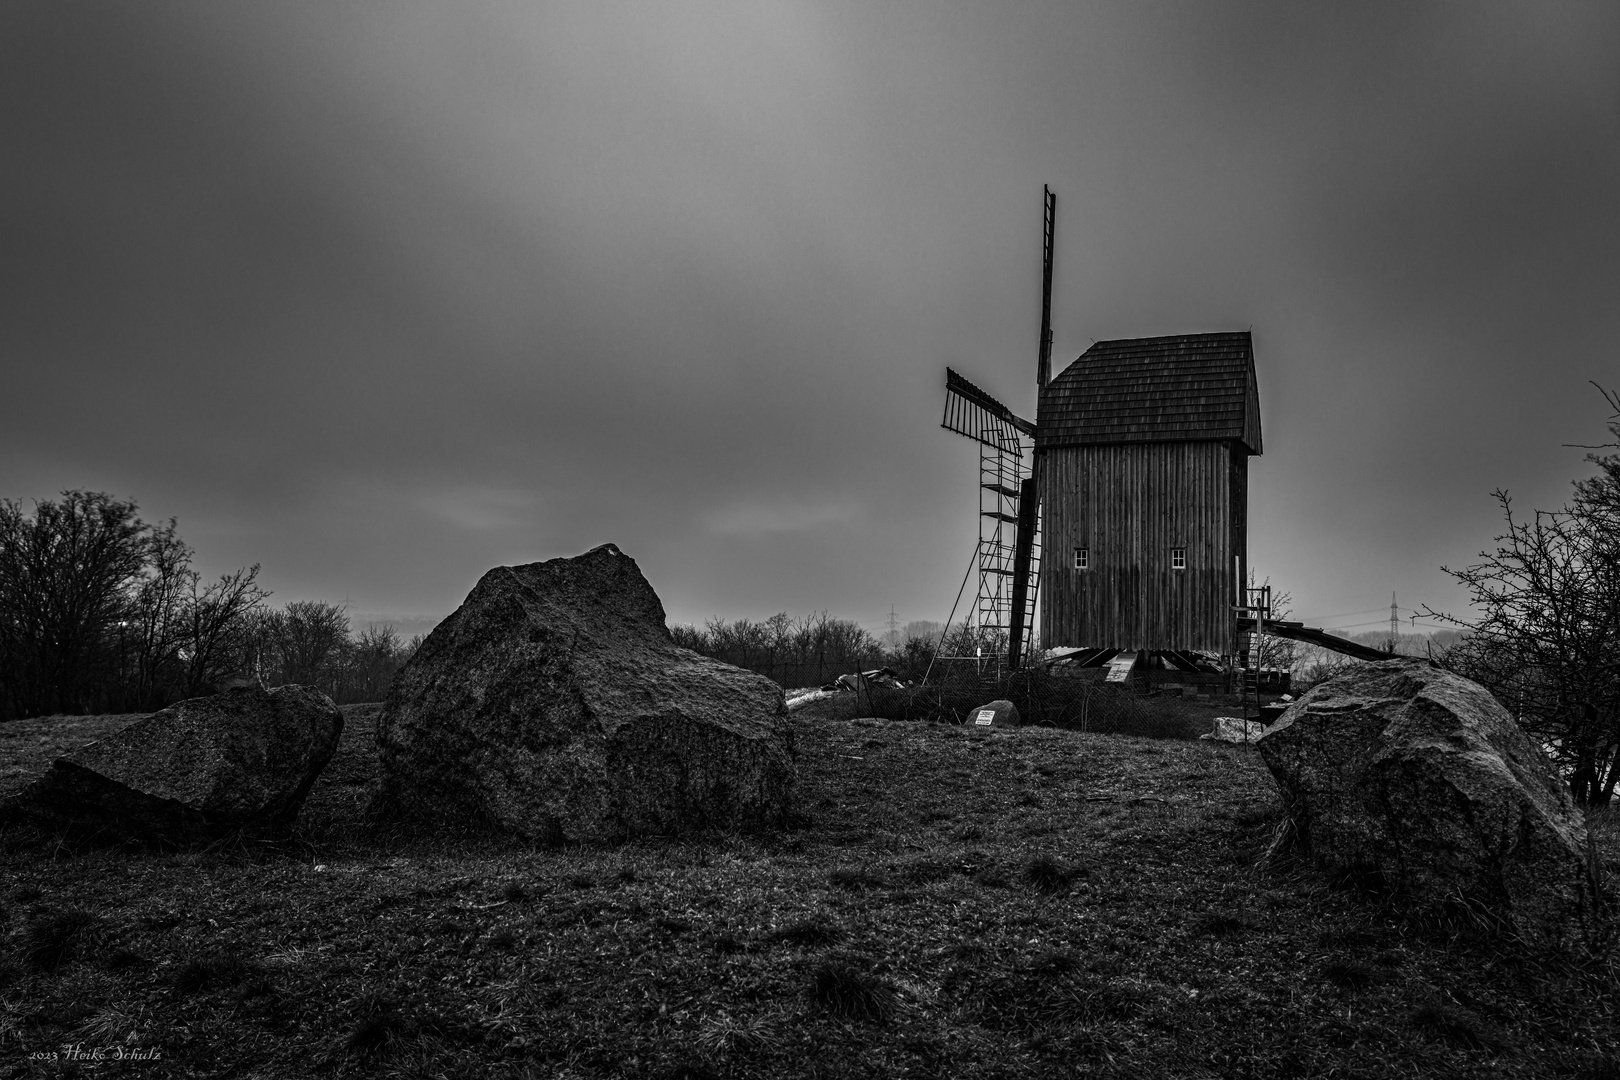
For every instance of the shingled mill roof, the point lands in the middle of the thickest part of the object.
(1164, 389)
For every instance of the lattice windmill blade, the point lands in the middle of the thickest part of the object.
(1008, 556)
(972, 412)
(1004, 440)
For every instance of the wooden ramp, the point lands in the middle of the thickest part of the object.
(1313, 635)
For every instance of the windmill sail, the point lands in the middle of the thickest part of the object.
(1043, 369)
(1009, 554)
(972, 412)
(1007, 521)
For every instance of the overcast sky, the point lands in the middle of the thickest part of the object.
(383, 295)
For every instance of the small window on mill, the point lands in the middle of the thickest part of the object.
(1082, 558)
(1178, 558)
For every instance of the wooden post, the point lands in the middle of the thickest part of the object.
(1023, 551)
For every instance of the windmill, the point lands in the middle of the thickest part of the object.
(1007, 559)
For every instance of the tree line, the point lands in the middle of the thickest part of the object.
(814, 649)
(101, 611)
(805, 651)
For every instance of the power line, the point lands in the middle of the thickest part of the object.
(1346, 614)
(1352, 626)
(1341, 615)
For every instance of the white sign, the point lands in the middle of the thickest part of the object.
(986, 718)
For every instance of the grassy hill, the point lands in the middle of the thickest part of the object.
(950, 903)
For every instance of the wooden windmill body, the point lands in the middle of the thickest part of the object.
(1128, 530)
(1143, 448)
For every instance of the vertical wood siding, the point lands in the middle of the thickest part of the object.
(1130, 504)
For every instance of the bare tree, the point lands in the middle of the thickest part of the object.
(377, 655)
(217, 627)
(153, 631)
(1547, 643)
(66, 573)
(308, 635)
(1276, 651)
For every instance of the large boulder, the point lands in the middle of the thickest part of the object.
(553, 704)
(235, 763)
(1401, 773)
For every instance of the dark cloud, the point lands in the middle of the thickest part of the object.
(380, 297)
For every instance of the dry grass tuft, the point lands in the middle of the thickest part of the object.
(810, 933)
(51, 940)
(1455, 1024)
(1592, 1066)
(122, 959)
(1222, 923)
(379, 1028)
(1046, 875)
(686, 1070)
(1055, 961)
(844, 989)
(110, 1026)
(725, 1034)
(213, 971)
(854, 879)
(1349, 937)
(1348, 974)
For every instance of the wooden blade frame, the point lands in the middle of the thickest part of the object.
(1043, 369)
(1005, 537)
(972, 412)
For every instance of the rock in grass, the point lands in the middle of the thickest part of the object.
(236, 763)
(1000, 713)
(1402, 773)
(553, 704)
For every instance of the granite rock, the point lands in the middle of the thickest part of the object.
(1403, 775)
(554, 705)
(236, 763)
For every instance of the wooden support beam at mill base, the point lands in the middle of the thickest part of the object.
(1028, 506)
